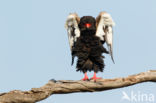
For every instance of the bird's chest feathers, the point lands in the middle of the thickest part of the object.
(89, 40)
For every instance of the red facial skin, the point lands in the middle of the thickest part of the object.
(88, 25)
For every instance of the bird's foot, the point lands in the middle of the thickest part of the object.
(85, 79)
(95, 78)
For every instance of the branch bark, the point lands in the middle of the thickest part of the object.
(70, 86)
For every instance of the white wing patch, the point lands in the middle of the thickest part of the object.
(105, 30)
(72, 28)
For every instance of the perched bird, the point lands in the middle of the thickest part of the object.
(86, 38)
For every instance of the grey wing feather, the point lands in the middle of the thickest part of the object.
(105, 30)
(72, 28)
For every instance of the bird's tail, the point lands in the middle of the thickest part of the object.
(88, 64)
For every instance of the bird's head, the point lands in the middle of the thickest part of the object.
(87, 23)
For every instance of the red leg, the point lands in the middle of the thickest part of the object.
(94, 77)
(86, 77)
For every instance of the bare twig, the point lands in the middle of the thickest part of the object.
(69, 86)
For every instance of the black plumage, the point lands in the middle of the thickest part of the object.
(86, 38)
(88, 47)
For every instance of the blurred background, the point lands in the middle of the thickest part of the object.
(34, 46)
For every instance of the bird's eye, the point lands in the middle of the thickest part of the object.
(88, 25)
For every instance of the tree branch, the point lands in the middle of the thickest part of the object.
(70, 86)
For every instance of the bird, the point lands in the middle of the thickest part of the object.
(87, 36)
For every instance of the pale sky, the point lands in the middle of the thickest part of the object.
(34, 46)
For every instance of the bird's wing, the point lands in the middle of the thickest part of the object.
(73, 31)
(72, 28)
(104, 30)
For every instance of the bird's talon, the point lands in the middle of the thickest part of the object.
(85, 79)
(95, 78)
